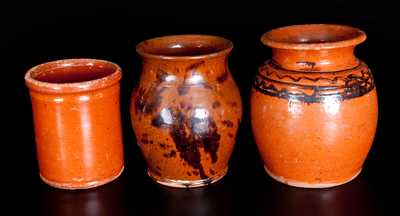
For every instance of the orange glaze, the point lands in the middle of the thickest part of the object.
(76, 113)
(186, 109)
(314, 106)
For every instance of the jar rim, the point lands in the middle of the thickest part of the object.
(184, 47)
(313, 37)
(35, 78)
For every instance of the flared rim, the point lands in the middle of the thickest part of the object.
(112, 76)
(184, 47)
(313, 36)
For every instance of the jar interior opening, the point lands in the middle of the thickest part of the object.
(317, 33)
(185, 45)
(70, 73)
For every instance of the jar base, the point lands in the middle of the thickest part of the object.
(187, 183)
(301, 184)
(79, 186)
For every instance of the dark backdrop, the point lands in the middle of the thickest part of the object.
(34, 32)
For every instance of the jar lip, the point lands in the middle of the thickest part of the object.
(313, 37)
(184, 47)
(109, 78)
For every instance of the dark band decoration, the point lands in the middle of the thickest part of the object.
(313, 87)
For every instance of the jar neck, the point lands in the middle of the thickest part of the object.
(197, 70)
(322, 60)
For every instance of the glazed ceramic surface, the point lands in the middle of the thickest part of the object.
(76, 113)
(314, 106)
(186, 109)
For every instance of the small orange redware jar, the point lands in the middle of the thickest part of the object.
(76, 113)
(186, 109)
(314, 106)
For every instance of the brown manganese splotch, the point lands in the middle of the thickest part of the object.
(170, 154)
(191, 137)
(183, 89)
(227, 123)
(180, 135)
(195, 65)
(190, 133)
(148, 101)
(216, 104)
(224, 76)
(145, 139)
(139, 102)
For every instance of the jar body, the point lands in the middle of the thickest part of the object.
(185, 115)
(313, 128)
(78, 132)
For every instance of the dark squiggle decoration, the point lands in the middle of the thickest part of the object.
(355, 85)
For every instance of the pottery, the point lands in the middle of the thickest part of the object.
(76, 112)
(186, 109)
(314, 106)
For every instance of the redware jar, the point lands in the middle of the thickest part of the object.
(186, 109)
(314, 105)
(76, 111)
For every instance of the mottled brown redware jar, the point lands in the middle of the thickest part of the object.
(314, 106)
(186, 109)
(76, 113)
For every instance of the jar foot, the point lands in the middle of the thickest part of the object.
(187, 183)
(301, 184)
(83, 185)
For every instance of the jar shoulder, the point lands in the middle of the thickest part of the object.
(313, 86)
(218, 96)
(272, 70)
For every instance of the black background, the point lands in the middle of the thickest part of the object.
(34, 32)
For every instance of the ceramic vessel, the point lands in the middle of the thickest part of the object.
(314, 106)
(186, 109)
(76, 113)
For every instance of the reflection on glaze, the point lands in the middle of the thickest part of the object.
(199, 120)
(169, 78)
(84, 98)
(166, 116)
(294, 107)
(195, 79)
(331, 105)
(58, 99)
